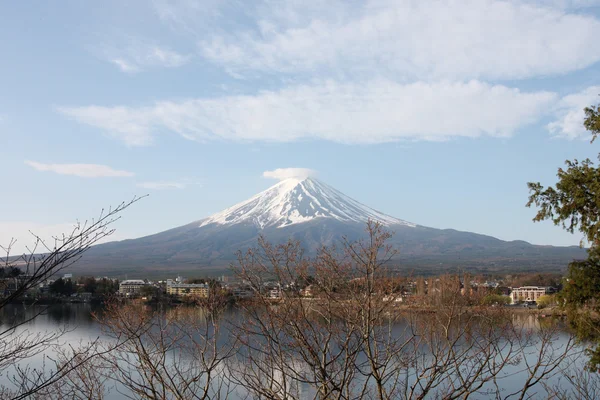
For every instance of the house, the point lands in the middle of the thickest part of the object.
(395, 297)
(307, 291)
(187, 289)
(242, 292)
(530, 293)
(275, 293)
(131, 287)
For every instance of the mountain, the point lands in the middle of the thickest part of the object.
(316, 214)
(295, 201)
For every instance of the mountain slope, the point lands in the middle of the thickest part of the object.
(315, 214)
(294, 201)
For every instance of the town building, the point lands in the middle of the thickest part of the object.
(10, 285)
(131, 287)
(530, 293)
(307, 291)
(242, 292)
(187, 289)
(275, 293)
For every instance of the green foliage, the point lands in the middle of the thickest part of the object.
(90, 285)
(581, 298)
(98, 287)
(582, 284)
(62, 287)
(9, 272)
(592, 121)
(148, 290)
(546, 300)
(106, 287)
(574, 203)
(495, 299)
(537, 279)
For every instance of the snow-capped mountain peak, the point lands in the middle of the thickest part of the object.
(294, 201)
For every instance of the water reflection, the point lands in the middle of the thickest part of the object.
(84, 327)
(51, 315)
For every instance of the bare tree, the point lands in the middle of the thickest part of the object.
(574, 382)
(42, 260)
(352, 339)
(546, 352)
(85, 380)
(177, 353)
(290, 342)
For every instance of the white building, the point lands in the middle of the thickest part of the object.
(187, 289)
(275, 293)
(530, 293)
(131, 287)
(242, 292)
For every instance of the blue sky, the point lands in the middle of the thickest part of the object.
(434, 112)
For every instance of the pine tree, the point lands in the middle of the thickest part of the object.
(574, 204)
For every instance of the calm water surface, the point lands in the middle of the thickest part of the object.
(82, 328)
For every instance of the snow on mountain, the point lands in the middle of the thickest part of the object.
(294, 201)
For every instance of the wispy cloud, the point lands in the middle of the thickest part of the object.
(412, 40)
(363, 112)
(125, 66)
(140, 56)
(131, 126)
(195, 16)
(164, 57)
(570, 114)
(80, 170)
(568, 4)
(286, 173)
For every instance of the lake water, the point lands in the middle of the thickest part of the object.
(81, 328)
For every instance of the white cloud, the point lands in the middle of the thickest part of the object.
(81, 170)
(125, 66)
(164, 57)
(132, 126)
(139, 56)
(412, 40)
(364, 112)
(570, 114)
(569, 4)
(192, 16)
(286, 173)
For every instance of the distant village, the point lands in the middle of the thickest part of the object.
(69, 288)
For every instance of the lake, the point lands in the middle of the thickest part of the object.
(81, 328)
